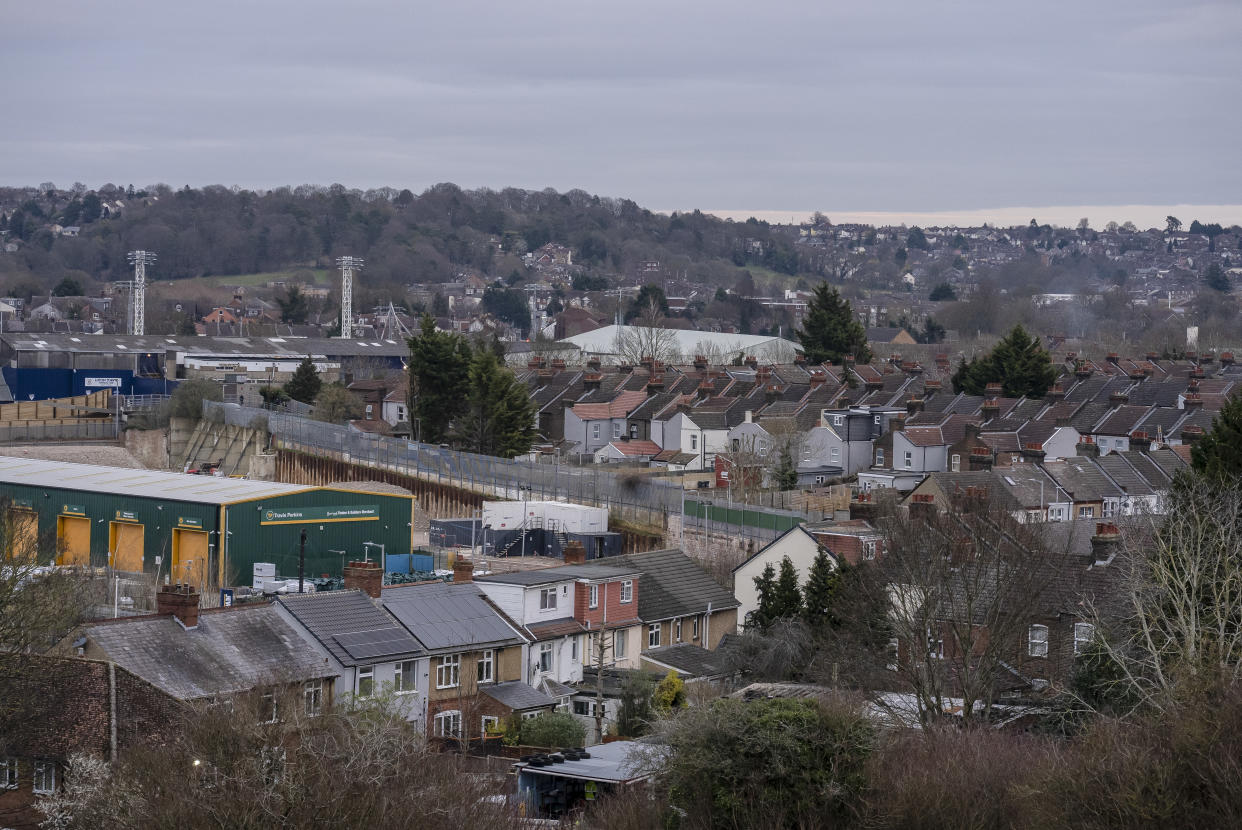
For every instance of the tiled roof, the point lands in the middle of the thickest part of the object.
(1122, 420)
(1126, 477)
(689, 659)
(228, 652)
(517, 695)
(618, 407)
(328, 615)
(446, 616)
(552, 629)
(635, 448)
(673, 585)
(1082, 479)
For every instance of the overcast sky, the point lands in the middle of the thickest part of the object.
(880, 105)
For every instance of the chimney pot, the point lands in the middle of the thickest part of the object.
(1104, 542)
(365, 576)
(180, 601)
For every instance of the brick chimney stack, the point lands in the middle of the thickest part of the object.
(1104, 542)
(1087, 447)
(575, 553)
(367, 577)
(463, 570)
(922, 506)
(181, 602)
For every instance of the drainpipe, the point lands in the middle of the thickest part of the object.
(707, 621)
(112, 711)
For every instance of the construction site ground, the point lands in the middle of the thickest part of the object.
(109, 455)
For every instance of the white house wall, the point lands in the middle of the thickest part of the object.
(797, 544)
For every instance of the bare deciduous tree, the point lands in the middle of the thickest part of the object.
(1179, 618)
(232, 765)
(647, 337)
(964, 586)
(746, 467)
(39, 602)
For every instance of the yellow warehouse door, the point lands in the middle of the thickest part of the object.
(74, 533)
(127, 546)
(24, 535)
(190, 557)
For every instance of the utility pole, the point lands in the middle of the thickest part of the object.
(348, 265)
(138, 296)
(302, 563)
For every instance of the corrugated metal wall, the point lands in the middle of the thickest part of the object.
(252, 541)
(157, 516)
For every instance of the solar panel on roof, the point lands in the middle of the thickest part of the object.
(363, 645)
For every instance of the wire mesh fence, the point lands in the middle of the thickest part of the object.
(634, 496)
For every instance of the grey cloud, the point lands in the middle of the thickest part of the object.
(887, 105)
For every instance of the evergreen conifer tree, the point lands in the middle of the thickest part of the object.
(1018, 363)
(305, 384)
(1216, 278)
(822, 581)
(1218, 455)
(439, 379)
(787, 597)
(499, 418)
(786, 474)
(765, 584)
(829, 331)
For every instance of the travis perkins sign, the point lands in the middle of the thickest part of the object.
(308, 515)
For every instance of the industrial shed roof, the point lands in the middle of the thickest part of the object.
(151, 484)
(239, 346)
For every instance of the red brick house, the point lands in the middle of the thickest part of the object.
(56, 707)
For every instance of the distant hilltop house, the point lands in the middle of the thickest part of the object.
(551, 255)
(890, 336)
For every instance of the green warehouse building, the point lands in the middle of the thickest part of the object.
(204, 530)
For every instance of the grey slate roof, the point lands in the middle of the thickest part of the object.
(689, 659)
(1082, 479)
(517, 695)
(1124, 475)
(1168, 461)
(444, 616)
(332, 616)
(672, 585)
(228, 652)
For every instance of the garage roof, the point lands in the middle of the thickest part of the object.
(150, 484)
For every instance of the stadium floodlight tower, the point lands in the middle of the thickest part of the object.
(138, 293)
(348, 264)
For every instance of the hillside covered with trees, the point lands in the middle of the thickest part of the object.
(404, 237)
